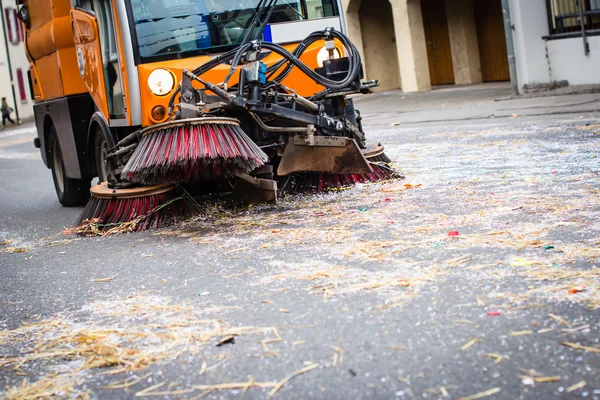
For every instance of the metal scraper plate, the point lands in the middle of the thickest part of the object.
(343, 157)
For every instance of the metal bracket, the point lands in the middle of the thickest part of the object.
(320, 141)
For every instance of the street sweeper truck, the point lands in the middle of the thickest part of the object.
(163, 100)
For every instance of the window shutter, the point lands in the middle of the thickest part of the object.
(19, 24)
(21, 83)
(12, 30)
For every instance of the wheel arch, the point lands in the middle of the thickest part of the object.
(97, 121)
(48, 123)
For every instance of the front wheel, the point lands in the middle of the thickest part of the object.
(70, 192)
(100, 151)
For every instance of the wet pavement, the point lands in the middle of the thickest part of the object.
(476, 277)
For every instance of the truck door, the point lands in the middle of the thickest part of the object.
(95, 39)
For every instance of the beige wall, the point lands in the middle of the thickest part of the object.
(410, 49)
(370, 31)
(381, 59)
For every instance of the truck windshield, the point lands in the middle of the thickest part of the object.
(167, 29)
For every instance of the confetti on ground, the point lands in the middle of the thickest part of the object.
(482, 395)
(576, 386)
(151, 331)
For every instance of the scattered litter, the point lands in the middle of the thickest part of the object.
(412, 186)
(105, 280)
(560, 320)
(471, 343)
(546, 330)
(291, 376)
(577, 289)
(521, 333)
(482, 395)
(493, 314)
(580, 347)
(453, 233)
(399, 348)
(576, 386)
(227, 340)
(15, 250)
(535, 379)
(338, 356)
(580, 328)
(497, 357)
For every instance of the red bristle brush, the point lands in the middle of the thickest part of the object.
(138, 209)
(314, 183)
(191, 150)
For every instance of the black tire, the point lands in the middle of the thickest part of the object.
(70, 192)
(100, 151)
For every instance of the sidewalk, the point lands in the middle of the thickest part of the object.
(465, 103)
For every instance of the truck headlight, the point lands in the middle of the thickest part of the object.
(324, 55)
(161, 82)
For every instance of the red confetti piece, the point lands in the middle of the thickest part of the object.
(576, 290)
(319, 214)
(453, 233)
(493, 314)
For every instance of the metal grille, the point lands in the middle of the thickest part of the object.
(573, 16)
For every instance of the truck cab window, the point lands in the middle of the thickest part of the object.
(166, 29)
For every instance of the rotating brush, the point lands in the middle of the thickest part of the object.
(314, 183)
(192, 150)
(138, 209)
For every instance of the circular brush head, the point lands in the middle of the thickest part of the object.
(128, 210)
(191, 150)
(313, 183)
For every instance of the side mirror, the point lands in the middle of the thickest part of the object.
(23, 15)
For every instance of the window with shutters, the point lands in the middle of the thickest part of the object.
(21, 84)
(14, 29)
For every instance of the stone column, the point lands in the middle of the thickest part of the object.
(351, 8)
(463, 41)
(411, 46)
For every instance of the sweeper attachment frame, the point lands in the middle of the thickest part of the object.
(222, 132)
(258, 135)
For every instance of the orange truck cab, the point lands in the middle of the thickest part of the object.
(101, 69)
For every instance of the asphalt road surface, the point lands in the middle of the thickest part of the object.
(476, 277)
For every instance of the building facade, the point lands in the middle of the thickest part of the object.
(12, 48)
(416, 44)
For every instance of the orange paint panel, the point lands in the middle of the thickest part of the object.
(296, 80)
(49, 76)
(38, 95)
(87, 44)
(71, 77)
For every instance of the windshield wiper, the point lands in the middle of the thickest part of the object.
(293, 9)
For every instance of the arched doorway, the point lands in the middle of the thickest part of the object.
(379, 43)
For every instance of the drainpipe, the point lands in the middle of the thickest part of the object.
(12, 82)
(510, 47)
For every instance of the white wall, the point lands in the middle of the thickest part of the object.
(530, 22)
(18, 60)
(568, 61)
(541, 61)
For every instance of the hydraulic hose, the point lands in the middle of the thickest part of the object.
(292, 60)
